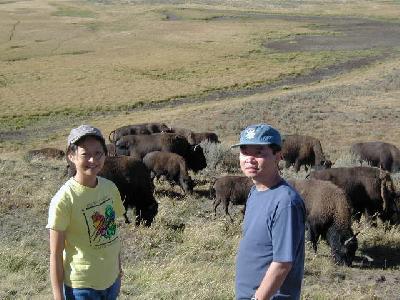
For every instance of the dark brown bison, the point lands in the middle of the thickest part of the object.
(328, 216)
(369, 189)
(140, 145)
(170, 165)
(133, 181)
(299, 150)
(144, 128)
(378, 154)
(46, 153)
(195, 138)
(230, 188)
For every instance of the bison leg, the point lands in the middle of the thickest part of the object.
(126, 218)
(226, 206)
(297, 165)
(313, 236)
(216, 202)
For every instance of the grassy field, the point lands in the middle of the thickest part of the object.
(204, 65)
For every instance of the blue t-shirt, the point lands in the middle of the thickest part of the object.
(273, 230)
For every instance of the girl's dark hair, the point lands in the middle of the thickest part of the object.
(72, 148)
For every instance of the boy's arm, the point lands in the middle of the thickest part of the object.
(273, 280)
(57, 239)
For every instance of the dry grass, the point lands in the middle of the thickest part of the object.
(55, 56)
(187, 253)
(76, 62)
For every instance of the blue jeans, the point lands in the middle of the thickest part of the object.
(110, 293)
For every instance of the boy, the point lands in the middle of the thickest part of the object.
(270, 259)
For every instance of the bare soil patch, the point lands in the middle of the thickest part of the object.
(347, 34)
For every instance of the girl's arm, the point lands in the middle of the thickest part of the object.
(57, 239)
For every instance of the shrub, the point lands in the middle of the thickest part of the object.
(347, 159)
(220, 158)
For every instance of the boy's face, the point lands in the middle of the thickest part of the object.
(258, 162)
(89, 157)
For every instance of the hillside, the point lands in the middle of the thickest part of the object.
(329, 70)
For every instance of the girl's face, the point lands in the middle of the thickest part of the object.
(88, 158)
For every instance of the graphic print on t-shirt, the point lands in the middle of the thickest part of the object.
(100, 221)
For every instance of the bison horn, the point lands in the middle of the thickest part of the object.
(349, 240)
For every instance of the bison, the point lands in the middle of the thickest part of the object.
(46, 153)
(140, 145)
(195, 138)
(378, 154)
(369, 189)
(304, 150)
(144, 128)
(328, 216)
(170, 165)
(230, 188)
(133, 181)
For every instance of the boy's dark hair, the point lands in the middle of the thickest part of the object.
(275, 148)
(72, 148)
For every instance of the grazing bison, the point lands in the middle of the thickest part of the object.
(230, 188)
(328, 216)
(378, 154)
(46, 153)
(133, 181)
(370, 190)
(304, 150)
(144, 128)
(195, 138)
(140, 145)
(170, 165)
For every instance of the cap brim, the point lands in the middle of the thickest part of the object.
(85, 135)
(250, 144)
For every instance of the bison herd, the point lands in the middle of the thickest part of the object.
(333, 197)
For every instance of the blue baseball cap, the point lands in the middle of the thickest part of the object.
(259, 134)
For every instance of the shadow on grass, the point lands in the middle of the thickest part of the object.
(382, 257)
(169, 194)
(203, 193)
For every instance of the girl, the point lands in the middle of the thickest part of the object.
(84, 242)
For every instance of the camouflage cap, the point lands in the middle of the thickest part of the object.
(84, 130)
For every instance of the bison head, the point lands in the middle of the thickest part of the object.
(327, 164)
(147, 214)
(343, 245)
(196, 160)
(187, 184)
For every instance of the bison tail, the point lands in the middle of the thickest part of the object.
(111, 139)
(212, 190)
(384, 195)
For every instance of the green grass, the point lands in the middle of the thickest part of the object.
(69, 11)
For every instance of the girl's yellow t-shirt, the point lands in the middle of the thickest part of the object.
(92, 245)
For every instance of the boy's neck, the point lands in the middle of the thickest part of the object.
(88, 181)
(264, 184)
